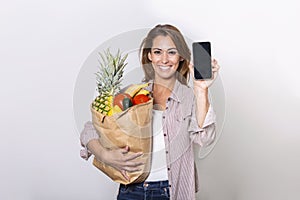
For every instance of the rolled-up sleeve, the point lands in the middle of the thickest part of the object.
(87, 134)
(206, 135)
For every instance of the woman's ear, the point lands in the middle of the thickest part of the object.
(181, 59)
(149, 56)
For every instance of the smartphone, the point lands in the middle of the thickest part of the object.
(202, 60)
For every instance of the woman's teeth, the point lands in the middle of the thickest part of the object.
(164, 67)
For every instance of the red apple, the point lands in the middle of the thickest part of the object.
(118, 99)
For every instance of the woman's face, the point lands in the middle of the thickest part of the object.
(164, 57)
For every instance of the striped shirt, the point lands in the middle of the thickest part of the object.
(181, 130)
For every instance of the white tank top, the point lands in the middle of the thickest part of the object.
(158, 171)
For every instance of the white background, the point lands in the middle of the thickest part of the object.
(44, 43)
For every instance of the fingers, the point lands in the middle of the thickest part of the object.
(215, 69)
(130, 163)
(128, 158)
(130, 166)
(133, 156)
(215, 66)
(214, 62)
(123, 172)
(125, 157)
(125, 150)
(132, 169)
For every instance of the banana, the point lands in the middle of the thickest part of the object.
(143, 91)
(135, 88)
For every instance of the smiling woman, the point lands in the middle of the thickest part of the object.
(181, 116)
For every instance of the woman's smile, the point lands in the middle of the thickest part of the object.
(165, 68)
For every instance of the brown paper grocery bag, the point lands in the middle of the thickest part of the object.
(132, 128)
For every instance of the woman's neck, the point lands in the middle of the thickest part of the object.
(162, 85)
(161, 92)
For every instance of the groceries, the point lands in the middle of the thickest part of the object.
(122, 117)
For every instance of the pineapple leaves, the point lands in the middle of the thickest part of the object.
(111, 69)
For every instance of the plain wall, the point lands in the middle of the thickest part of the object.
(43, 45)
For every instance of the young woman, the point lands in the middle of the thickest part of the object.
(181, 116)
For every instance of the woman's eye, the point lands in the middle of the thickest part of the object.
(157, 52)
(172, 52)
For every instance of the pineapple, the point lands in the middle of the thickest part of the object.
(109, 79)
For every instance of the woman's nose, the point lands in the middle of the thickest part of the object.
(165, 57)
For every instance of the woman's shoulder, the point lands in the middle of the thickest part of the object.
(185, 92)
(185, 87)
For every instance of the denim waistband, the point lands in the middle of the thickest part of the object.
(149, 184)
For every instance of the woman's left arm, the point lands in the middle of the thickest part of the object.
(203, 121)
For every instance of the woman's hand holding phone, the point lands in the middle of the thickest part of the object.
(204, 84)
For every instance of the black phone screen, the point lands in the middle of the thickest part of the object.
(202, 60)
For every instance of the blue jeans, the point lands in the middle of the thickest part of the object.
(158, 190)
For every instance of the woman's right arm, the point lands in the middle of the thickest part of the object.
(117, 158)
